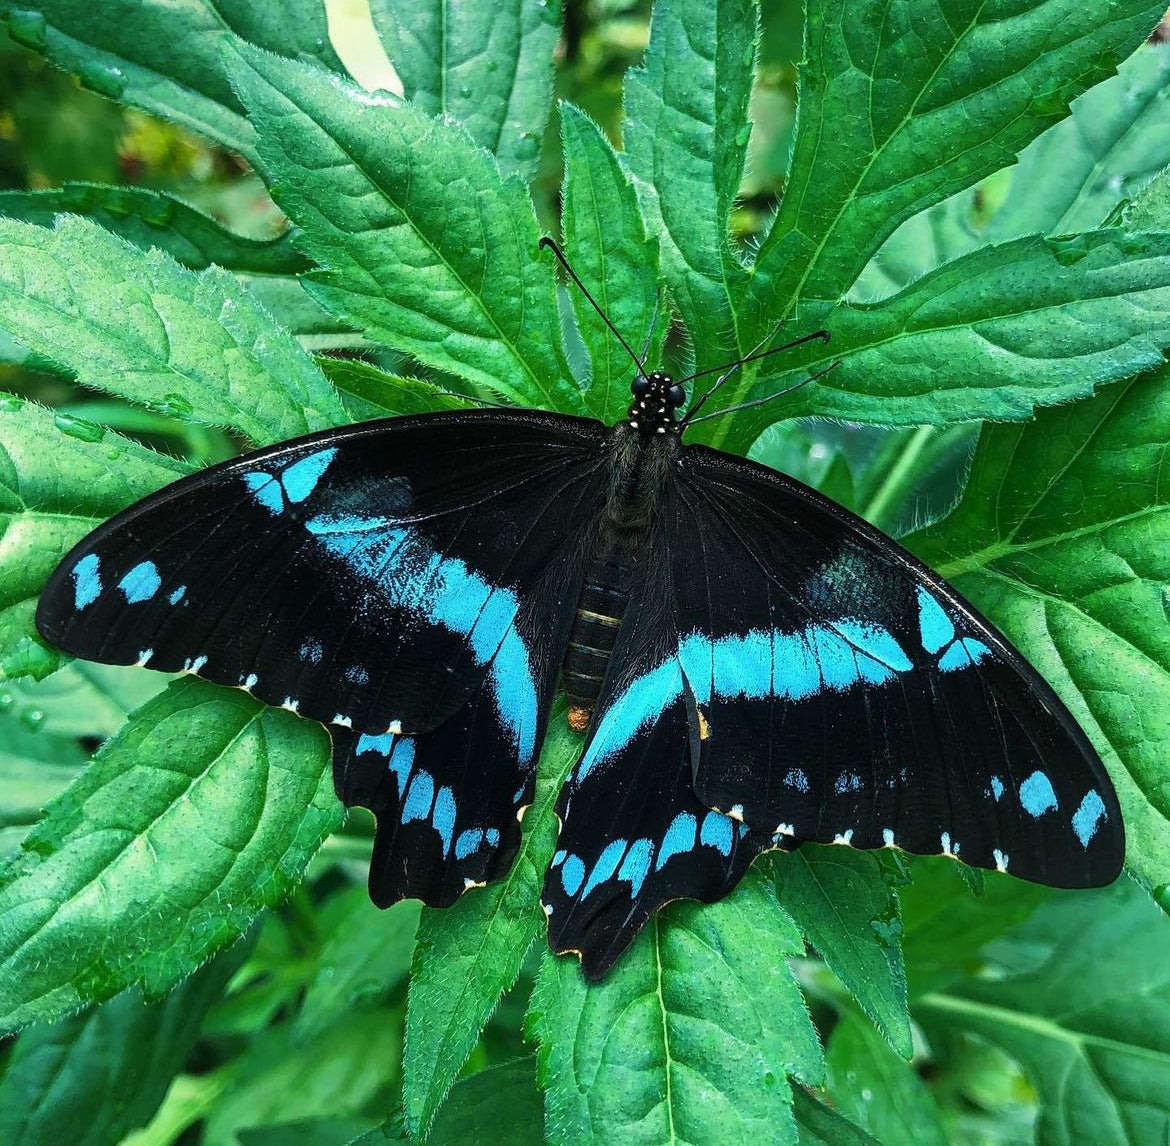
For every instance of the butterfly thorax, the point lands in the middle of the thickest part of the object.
(656, 399)
(638, 469)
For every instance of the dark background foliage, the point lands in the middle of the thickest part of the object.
(186, 947)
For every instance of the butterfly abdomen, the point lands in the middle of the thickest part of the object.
(591, 639)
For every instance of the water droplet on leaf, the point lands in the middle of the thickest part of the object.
(10, 403)
(743, 135)
(32, 718)
(493, 65)
(527, 146)
(105, 79)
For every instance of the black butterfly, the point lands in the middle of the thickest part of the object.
(756, 666)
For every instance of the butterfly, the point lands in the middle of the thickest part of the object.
(752, 665)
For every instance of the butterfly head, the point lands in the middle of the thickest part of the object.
(657, 397)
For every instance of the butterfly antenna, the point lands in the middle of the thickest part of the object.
(767, 397)
(548, 243)
(731, 367)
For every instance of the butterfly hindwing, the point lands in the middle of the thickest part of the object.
(850, 696)
(448, 802)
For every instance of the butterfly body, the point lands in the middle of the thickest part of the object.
(754, 665)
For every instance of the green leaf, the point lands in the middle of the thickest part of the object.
(845, 904)
(1063, 539)
(366, 954)
(81, 699)
(469, 954)
(606, 242)
(489, 66)
(149, 218)
(1115, 141)
(164, 57)
(992, 335)
(901, 105)
(202, 811)
(946, 927)
(686, 132)
(345, 1071)
(1097, 1046)
(820, 1125)
(140, 326)
(90, 1079)
(876, 1088)
(34, 767)
(299, 313)
(504, 1098)
(426, 246)
(688, 1039)
(59, 478)
(372, 393)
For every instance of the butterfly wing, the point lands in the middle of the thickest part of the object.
(851, 696)
(406, 581)
(634, 835)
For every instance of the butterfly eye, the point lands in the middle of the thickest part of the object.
(676, 395)
(640, 386)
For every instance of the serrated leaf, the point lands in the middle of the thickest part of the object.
(469, 954)
(138, 325)
(490, 66)
(876, 1088)
(686, 134)
(426, 246)
(150, 218)
(844, 903)
(163, 57)
(201, 812)
(606, 243)
(90, 1079)
(688, 1039)
(1116, 139)
(820, 1125)
(366, 954)
(59, 478)
(901, 105)
(369, 392)
(1097, 1046)
(1063, 539)
(991, 335)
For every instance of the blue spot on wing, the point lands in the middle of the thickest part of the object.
(934, 626)
(679, 838)
(468, 843)
(1037, 795)
(301, 478)
(177, 595)
(141, 583)
(265, 490)
(572, 873)
(606, 865)
(636, 866)
(962, 654)
(87, 581)
(419, 797)
(411, 575)
(1088, 817)
(443, 817)
(717, 832)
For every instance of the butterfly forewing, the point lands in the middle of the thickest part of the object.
(408, 582)
(850, 696)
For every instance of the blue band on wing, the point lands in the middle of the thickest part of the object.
(756, 664)
(409, 574)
